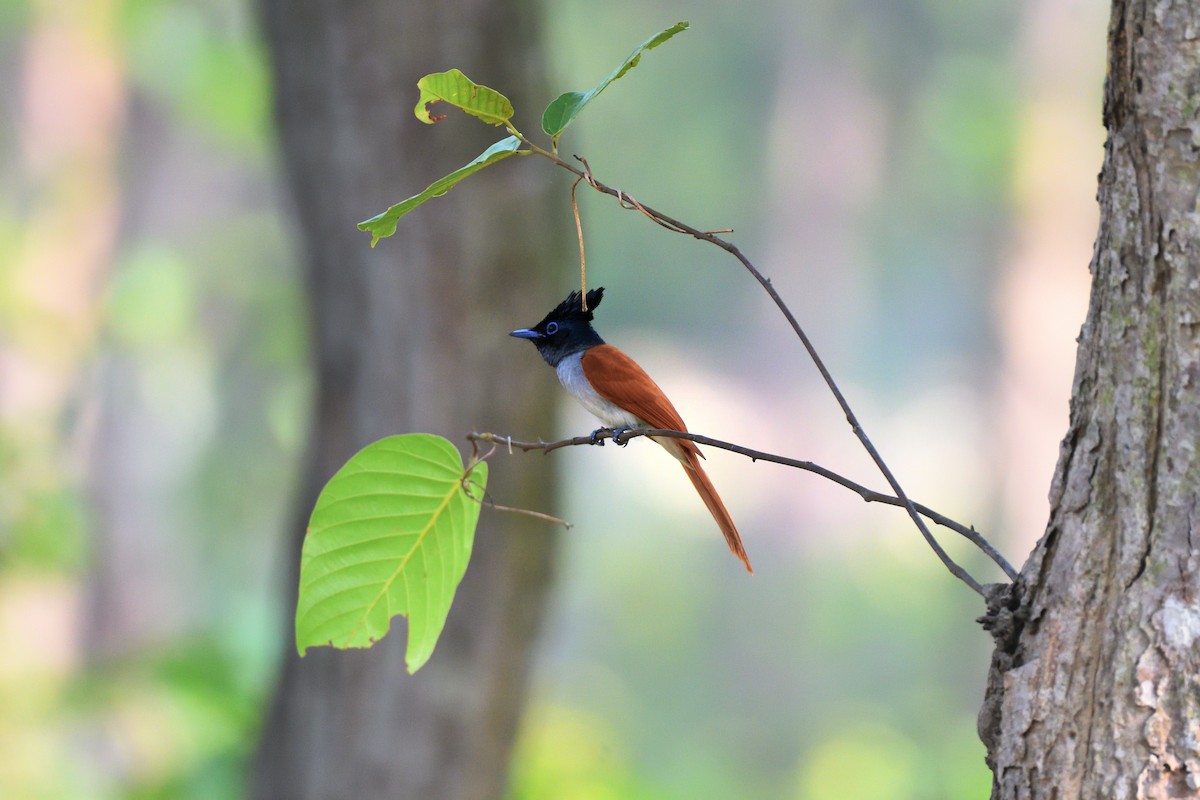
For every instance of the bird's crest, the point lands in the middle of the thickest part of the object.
(572, 308)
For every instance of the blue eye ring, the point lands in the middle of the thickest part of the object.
(551, 328)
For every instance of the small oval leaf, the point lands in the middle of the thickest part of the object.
(383, 225)
(391, 534)
(563, 109)
(461, 92)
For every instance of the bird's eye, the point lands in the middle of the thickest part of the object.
(551, 328)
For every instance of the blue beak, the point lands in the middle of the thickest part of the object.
(525, 333)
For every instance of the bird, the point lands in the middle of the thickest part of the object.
(617, 391)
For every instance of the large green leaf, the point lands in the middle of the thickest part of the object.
(383, 225)
(564, 108)
(391, 534)
(460, 91)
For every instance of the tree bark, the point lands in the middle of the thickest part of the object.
(409, 336)
(1094, 690)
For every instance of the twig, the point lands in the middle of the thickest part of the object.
(582, 252)
(485, 500)
(868, 495)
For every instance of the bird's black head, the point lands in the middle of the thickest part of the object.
(566, 330)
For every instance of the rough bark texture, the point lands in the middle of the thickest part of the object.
(410, 336)
(1095, 684)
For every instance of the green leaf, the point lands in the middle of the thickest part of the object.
(458, 90)
(563, 109)
(383, 225)
(391, 534)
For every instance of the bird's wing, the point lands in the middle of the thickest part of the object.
(617, 378)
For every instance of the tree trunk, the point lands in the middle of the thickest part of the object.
(1094, 690)
(410, 336)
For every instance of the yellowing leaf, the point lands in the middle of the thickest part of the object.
(461, 92)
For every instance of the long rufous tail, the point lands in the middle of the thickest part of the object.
(711, 499)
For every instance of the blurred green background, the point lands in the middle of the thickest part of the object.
(916, 177)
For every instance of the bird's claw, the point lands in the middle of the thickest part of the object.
(598, 436)
(617, 436)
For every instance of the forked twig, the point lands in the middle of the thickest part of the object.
(673, 224)
(486, 500)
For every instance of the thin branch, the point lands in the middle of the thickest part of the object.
(868, 495)
(680, 227)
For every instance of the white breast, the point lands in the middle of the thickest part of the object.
(570, 373)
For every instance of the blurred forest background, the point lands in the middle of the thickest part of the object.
(917, 178)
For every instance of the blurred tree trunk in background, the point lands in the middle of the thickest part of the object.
(1094, 688)
(410, 336)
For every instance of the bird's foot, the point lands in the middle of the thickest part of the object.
(598, 436)
(617, 435)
